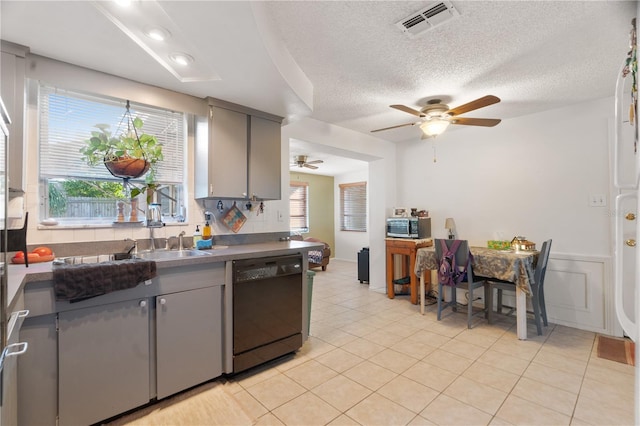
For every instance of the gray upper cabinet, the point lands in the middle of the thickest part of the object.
(238, 155)
(228, 154)
(12, 89)
(264, 159)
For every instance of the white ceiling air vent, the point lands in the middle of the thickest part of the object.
(427, 18)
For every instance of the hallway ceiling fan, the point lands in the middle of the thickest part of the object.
(437, 116)
(301, 161)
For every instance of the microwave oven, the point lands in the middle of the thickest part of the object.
(409, 227)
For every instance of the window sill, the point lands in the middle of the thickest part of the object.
(69, 225)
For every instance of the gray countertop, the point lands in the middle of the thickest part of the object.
(19, 275)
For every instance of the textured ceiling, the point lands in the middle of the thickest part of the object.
(534, 55)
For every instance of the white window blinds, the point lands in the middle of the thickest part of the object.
(298, 206)
(67, 119)
(353, 206)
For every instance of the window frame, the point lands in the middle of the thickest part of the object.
(353, 207)
(172, 186)
(294, 186)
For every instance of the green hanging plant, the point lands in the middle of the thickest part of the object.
(129, 155)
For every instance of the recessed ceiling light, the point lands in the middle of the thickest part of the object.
(157, 33)
(181, 58)
(144, 25)
(123, 3)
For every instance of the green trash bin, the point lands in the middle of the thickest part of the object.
(310, 275)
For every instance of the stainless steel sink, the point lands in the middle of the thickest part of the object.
(150, 255)
(76, 260)
(170, 254)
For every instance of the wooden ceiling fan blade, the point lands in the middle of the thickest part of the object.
(393, 127)
(473, 105)
(409, 110)
(314, 162)
(486, 122)
(309, 166)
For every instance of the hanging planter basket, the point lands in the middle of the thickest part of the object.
(127, 167)
(127, 154)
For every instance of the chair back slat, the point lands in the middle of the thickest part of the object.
(541, 265)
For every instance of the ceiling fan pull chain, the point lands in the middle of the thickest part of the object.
(434, 151)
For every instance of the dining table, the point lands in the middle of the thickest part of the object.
(507, 265)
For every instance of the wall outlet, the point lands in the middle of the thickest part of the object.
(597, 200)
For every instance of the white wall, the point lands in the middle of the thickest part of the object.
(349, 243)
(529, 176)
(381, 156)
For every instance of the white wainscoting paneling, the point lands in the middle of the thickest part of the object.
(577, 292)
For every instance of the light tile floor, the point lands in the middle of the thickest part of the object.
(371, 360)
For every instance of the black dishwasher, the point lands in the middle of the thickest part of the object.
(267, 309)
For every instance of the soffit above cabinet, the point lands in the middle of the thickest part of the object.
(243, 109)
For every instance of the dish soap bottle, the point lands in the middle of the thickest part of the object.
(197, 236)
(206, 231)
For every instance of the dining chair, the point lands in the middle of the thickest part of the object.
(537, 290)
(462, 257)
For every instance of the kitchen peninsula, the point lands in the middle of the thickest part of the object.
(132, 346)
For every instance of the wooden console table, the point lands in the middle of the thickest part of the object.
(407, 248)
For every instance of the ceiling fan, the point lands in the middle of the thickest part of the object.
(437, 116)
(301, 161)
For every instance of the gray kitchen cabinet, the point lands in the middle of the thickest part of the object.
(14, 348)
(12, 89)
(227, 157)
(238, 156)
(188, 339)
(103, 361)
(38, 372)
(100, 357)
(265, 159)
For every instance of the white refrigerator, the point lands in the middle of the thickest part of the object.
(626, 179)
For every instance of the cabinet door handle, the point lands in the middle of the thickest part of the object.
(16, 349)
(18, 315)
(143, 303)
(163, 301)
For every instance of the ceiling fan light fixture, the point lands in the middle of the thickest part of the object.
(434, 127)
(300, 160)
